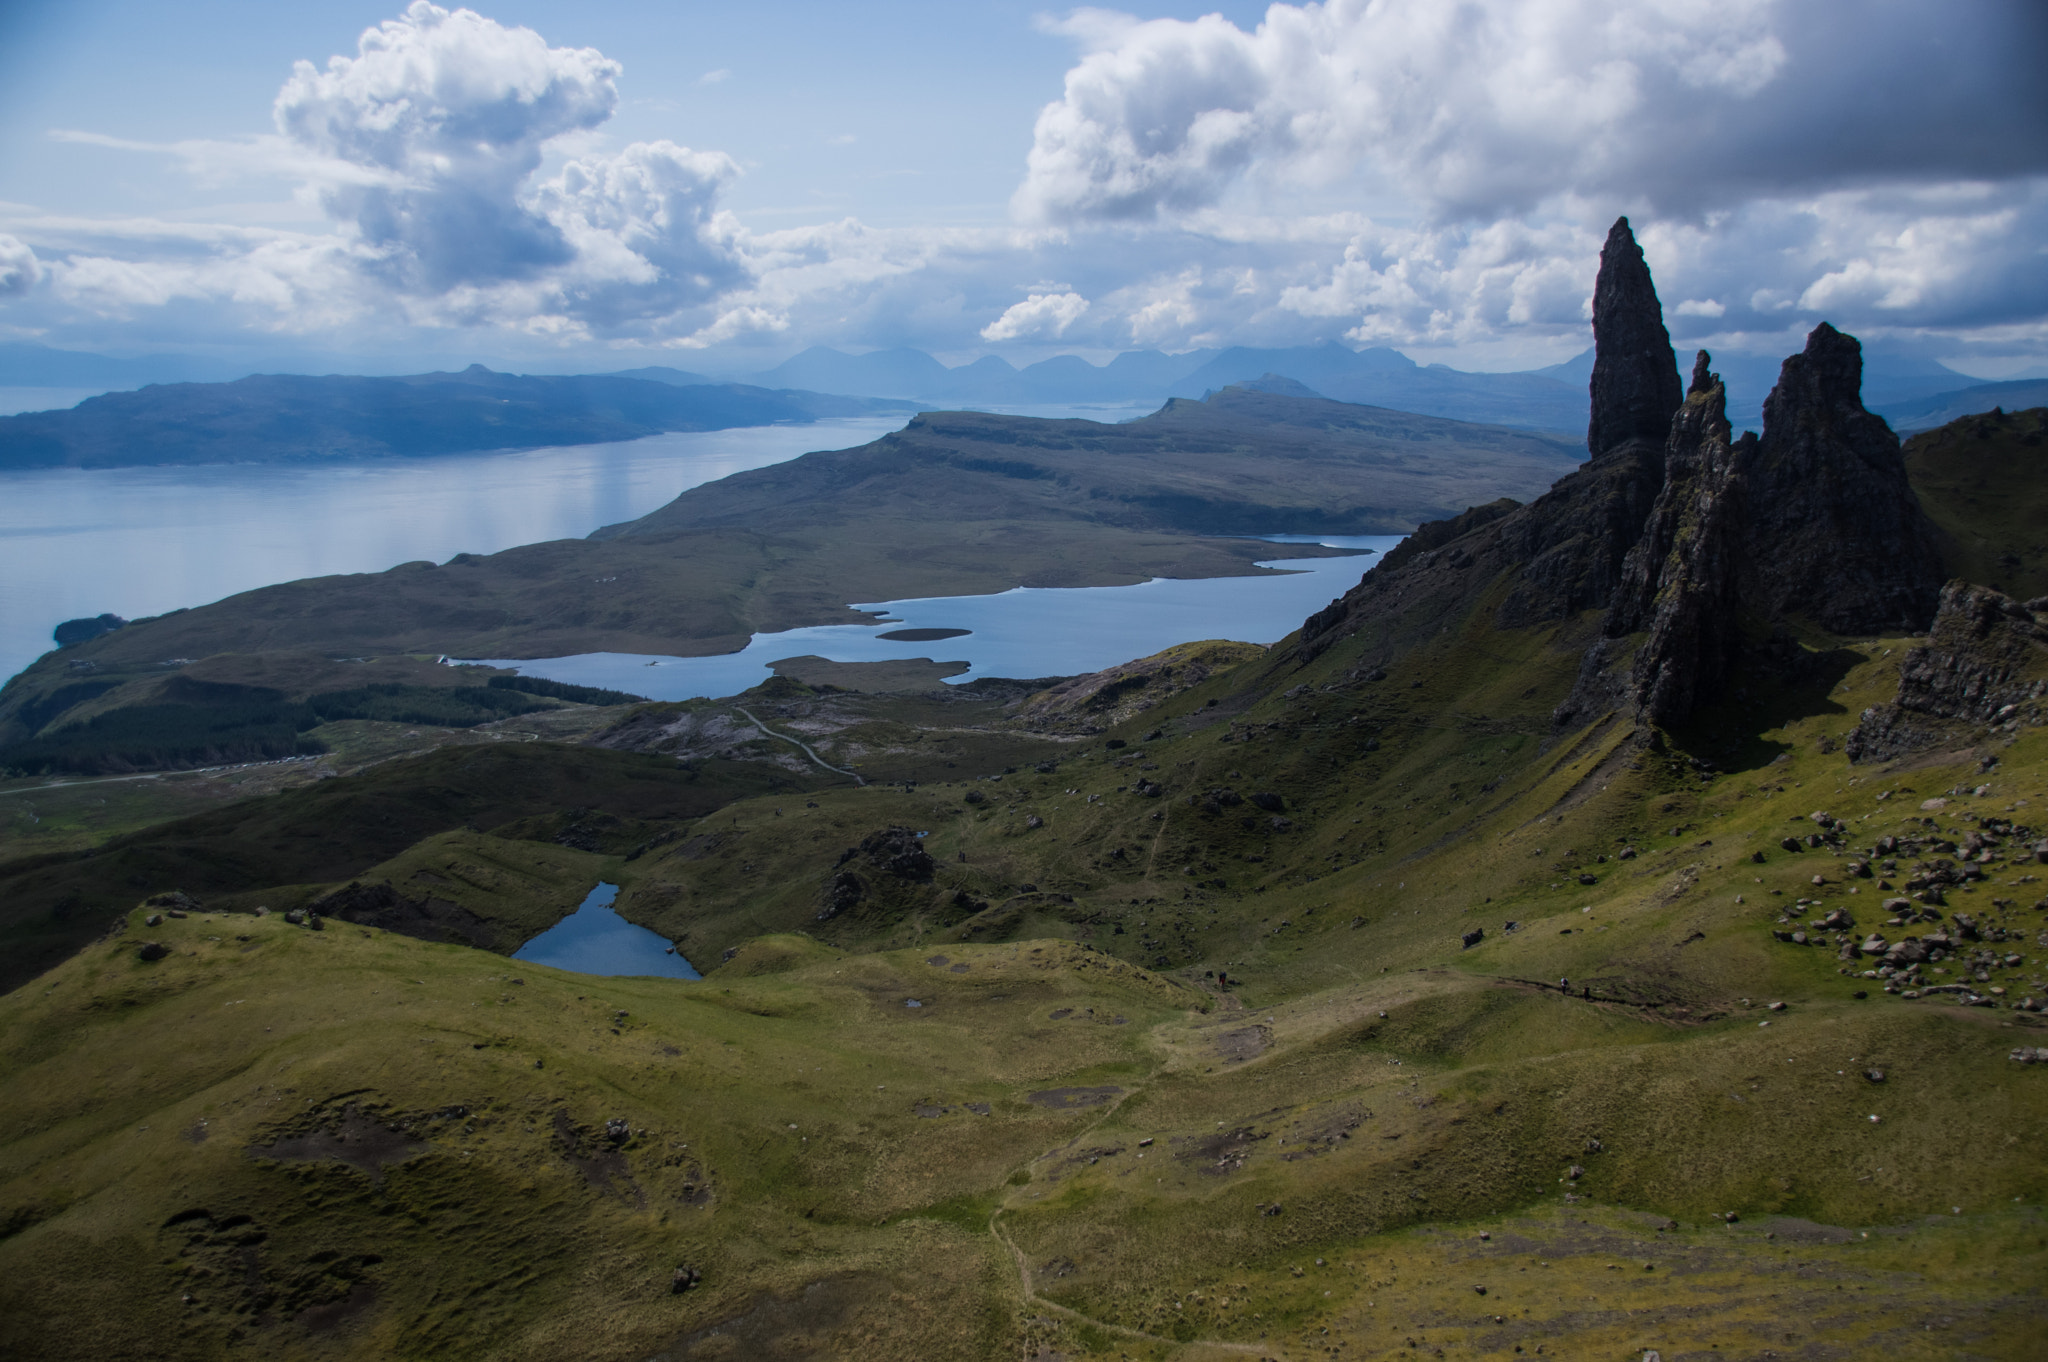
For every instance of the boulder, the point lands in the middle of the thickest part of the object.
(152, 950)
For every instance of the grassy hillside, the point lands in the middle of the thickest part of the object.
(1980, 479)
(256, 851)
(1346, 1007)
(1348, 1112)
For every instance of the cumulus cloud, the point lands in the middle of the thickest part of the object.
(20, 271)
(1379, 172)
(1493, 106)
(449, 115)
(1042, 316)
(424, 149)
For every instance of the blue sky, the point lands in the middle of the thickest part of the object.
(718, 186)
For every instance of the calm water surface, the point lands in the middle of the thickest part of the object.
(596, 940)
(1026, 632)
(140, 541)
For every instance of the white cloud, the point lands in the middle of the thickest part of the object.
(20, 271)
(1379, 172)
(423, 148)
(1488, 107)
(714, 77)
(449, 113)
(1042, 316)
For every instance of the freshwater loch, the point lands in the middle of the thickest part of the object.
(596, 940)
(1025, 632)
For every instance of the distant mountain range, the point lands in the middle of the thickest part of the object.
(1917, 392)
(280, 417)
(1939, 409)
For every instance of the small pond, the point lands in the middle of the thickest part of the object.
(596, 940)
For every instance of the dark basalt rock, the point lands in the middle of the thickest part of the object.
(1682, 580)
(379, 905)
(896, 851)
(1834, 532)
(1635, 373)
(1814, 520)
(1984, 663)
(1685, 535)
(1566, 548)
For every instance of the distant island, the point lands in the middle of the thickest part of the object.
(278, 418)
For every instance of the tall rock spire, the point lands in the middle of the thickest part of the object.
(1835, 533)
(1635, 373)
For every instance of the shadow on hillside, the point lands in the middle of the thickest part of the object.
(1768, 692)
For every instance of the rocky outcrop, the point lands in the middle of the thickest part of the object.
(1565, 549)
(1681, 582)
(1688, 538)
(892, 857)
(1635, 373)
(1101, 700)
(377, 904)
(1814, 521)
(1984, 666)
(1835, 534)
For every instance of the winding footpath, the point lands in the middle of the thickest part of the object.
(809, 751)
(1030, 1290)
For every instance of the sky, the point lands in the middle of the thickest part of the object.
(716, 187)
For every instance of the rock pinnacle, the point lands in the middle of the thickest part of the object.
(1635, 373)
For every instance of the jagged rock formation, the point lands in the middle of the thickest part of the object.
(1565, 549)
(1680, 581)
(1690, 539)
(1814, 520)
(1984, 666)
(1835, 534)
(1635, 372)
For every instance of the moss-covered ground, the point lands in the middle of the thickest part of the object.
(1338, 1010)
(1366, 1139)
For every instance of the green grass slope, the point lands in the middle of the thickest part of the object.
(1981, 480)
(1331, 1008)
(1334, 1147)
(335, 829)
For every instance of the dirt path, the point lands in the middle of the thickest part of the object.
(1032, 1298)
(809, 751)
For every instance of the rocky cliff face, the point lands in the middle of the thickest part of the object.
(1835, 534)
(1984, 668)
(1687, 537)
(1565, 549)
(1815, 521)
(1635, 373)
(1681, 581)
